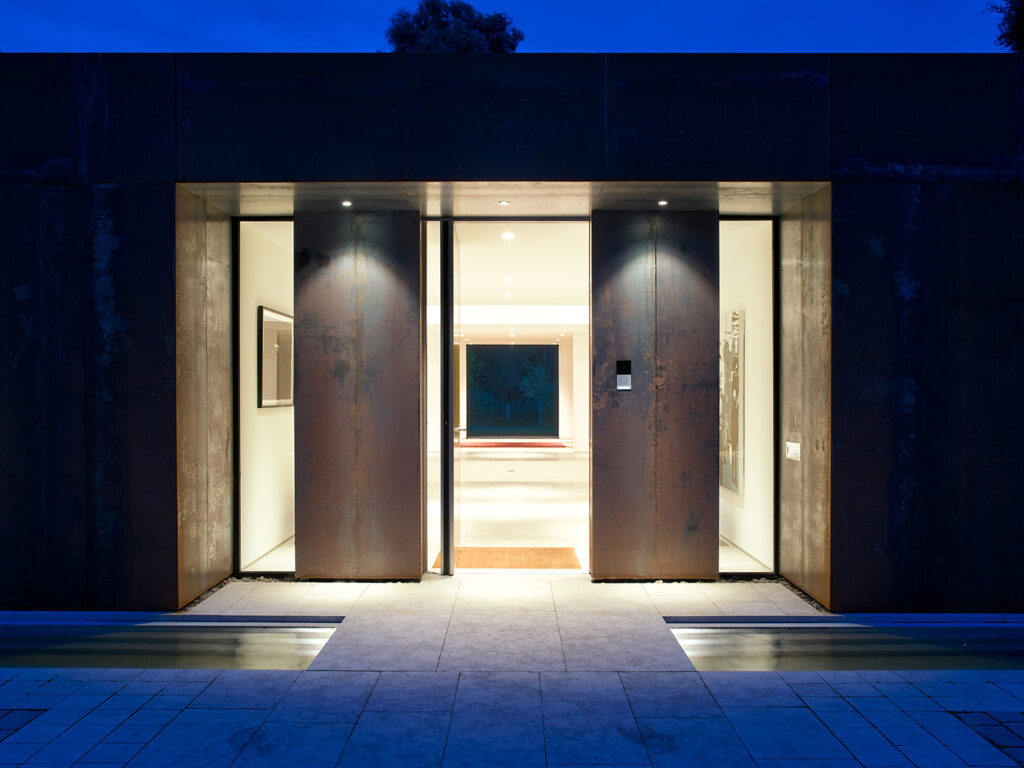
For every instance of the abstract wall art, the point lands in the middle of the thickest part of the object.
(730, 411)
(512, 390)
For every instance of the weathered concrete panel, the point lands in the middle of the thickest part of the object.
(357, 396)
(924, 117)
(130, 397)
(43, 522)
(310, 117)
(686, 391)
(93, 513)
(1020, 117)
(485, 117)
(37, 146)
(205, 396)
(878, 525)
(94, 118)
(717, 117)
(972, 307)
(805, 387)
(926, 304)
(654, 498)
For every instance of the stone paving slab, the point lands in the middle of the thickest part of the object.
(476, 672)
(367, 718)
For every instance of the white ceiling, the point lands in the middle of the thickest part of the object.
(535, 285)
(462, 199)
(547, 262)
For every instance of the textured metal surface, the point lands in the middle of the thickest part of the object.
(654, 499)
(686, 392)
(925, 117)
(205, 396)
(717, 116)
(130, 415)
(88, 118)
(43, 454)
(89, 515)
(357, 395)
(926, 422)
(927, 291)
(623, 504)
(805, 389)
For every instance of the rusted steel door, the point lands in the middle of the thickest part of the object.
(654, 491)
(357, 395)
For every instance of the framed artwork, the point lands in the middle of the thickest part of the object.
(730, 408)
(275, 358)
(512, 390)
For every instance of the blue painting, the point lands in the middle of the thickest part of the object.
(512, 390)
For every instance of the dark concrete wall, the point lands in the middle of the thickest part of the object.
(927, 308)
(88, 118)
(87, 241)
(204, 339)
(89, 518)
(365, 117)
(925, 153)
(357, 396)
(654, 498)
(805, 392)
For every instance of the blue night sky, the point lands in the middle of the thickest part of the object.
(549, 25)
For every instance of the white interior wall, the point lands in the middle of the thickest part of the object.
(745, 265)
(266, 435)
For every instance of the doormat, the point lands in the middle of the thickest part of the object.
(514, 557)
(512, 444)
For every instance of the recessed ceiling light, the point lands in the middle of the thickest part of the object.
(508, 235)
(347, 203)
(512, 343)
(512, 334)
(508, 279)
(503, 203)
(508, 295)
(663, 202)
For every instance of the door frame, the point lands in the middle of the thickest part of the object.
(776, 270)
(236, 406)
(448, 352)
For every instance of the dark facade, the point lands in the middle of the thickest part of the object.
(896, 372)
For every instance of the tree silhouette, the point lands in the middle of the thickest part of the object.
(1011, 26)
(451, 26)
(537, 386)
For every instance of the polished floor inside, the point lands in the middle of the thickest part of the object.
(281, 559)
(524, 497)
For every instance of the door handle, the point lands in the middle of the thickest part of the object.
(460, 429)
